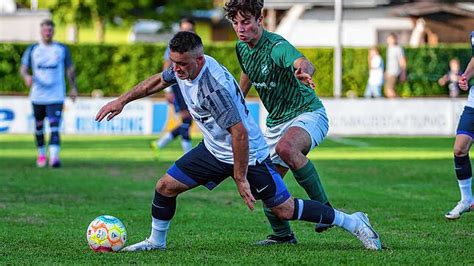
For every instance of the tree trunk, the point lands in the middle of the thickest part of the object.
(100, 29)
(72, 33)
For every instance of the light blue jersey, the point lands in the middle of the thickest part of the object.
(216, 103)
(48, 64)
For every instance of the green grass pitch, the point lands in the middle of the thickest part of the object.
(404, 184)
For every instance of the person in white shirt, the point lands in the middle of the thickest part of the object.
(396, 66)
(375, 82)
(43, 68)
(173, 96)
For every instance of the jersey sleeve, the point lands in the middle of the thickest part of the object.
(284, 54)
(472, 43)
(26, 58)
(222, 108)
(168, 75)
(67, 57)
(166, 56)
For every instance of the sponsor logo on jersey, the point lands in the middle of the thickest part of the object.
(264, 85)
(265, 70)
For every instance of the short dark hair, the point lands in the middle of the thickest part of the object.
(185, 41)
(244, 7)
(47, 22)
(187, 20)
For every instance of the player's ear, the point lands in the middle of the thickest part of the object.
(200, 59)
(260, 20)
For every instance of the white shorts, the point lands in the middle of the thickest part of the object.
(315, 123)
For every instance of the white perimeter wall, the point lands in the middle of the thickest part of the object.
(347, 117)
(351, 117)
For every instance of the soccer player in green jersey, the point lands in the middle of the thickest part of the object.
(297, 121)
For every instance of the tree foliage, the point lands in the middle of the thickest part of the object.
(116, 68)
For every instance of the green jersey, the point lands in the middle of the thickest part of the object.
(269, 66)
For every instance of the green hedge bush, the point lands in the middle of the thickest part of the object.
(115, 69)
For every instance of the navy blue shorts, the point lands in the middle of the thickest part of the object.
(200, 167)
(52, 111)
(466, 122)
(179, 103)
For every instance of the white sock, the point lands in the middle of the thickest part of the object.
(159, 230)
(465, 188)
(54, 151)
(42, 151)
(344, 220)
(186, 145)
(165, 139)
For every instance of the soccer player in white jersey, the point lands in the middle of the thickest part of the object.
(43, 67)
(233, 146)
(173, 96)
(462, 145)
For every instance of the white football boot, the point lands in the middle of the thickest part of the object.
(365, 233)
(461, 207)
(145, 245)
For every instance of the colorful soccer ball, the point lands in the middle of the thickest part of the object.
(106, 233)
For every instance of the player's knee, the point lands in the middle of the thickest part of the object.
(461, 151)
(284, 211)
(284, 214)
(284, 150)
(166, 187)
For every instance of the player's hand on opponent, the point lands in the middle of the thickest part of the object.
(463, 83)
(110, 110)
(305, 78)
(245, 193)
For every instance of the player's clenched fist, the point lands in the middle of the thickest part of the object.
(463, 83)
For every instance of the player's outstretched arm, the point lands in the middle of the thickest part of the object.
(245, 83)
(443, 80)
(145, 88)
(240, 150)
(468, 73)
(304, 71)
(26, 76)
(71, 75)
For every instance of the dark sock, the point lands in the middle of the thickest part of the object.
(462, 166)
(39, 133)
(176, 131)
(280, 227)
(312, 211)
(163, 208)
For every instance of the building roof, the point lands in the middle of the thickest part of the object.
(327, 13)
(427, 8)
(353, 3)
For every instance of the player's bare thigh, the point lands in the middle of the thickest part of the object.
(293, 147)
(170, 187)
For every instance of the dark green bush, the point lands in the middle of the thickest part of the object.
(117, 68)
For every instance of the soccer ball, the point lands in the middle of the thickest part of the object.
(106, 233)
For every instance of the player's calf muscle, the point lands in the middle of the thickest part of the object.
(285, 210)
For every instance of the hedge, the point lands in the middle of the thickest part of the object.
(114, 69)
